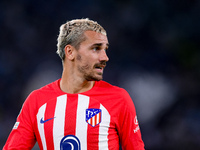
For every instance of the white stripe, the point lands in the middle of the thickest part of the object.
(98, 117)
(103, 129)
(59, 121)
(40, 115)
(81, 125)
(89, 121)
(93, 121)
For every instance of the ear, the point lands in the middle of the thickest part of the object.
(69, 52)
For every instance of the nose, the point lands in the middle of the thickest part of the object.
(103, 56)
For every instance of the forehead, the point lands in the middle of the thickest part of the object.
(95, 37)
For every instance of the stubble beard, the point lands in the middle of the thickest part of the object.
(89, 75)
(93, 77)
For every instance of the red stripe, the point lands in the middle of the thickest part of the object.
(70, 115)
(99, 117)
(95, 120)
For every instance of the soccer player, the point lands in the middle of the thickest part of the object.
(78, 111)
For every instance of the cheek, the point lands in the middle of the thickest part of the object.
(79, 57)
(85, 67)
(84, 62)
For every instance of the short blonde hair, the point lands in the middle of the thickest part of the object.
(72, 32)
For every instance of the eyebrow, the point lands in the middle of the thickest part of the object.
(100, 44)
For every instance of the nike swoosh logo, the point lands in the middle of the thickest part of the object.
(43, 121)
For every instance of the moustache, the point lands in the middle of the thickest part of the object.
(101, 64)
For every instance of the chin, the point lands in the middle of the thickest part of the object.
(99, 79)
(94, 78)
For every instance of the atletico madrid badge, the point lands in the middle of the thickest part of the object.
(93, 116)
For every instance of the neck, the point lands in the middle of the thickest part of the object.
(70, 84)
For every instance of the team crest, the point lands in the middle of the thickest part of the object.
(93, 116)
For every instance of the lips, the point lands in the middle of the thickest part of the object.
(100, 66)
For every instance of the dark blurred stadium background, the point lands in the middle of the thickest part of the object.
(154, 54)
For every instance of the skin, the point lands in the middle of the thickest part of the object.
(82, 67)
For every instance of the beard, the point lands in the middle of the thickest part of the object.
(88, 70)
(89, 74)
(93, 77)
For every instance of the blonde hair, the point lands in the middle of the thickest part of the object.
(72, 32)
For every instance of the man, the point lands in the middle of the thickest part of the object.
(78, 111)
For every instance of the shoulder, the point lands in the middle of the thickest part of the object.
(115, 97)
(113, 92)
(51, 87)
(44, 93)
(119, 91)
(107, 87)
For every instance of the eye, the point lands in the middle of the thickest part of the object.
(95, 48)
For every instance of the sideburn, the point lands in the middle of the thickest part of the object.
(84, 67)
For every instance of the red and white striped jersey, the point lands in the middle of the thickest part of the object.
(99, 119)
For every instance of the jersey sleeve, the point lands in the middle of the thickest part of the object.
(22, 135)
(129, 130)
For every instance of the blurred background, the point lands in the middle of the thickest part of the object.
(154, 54)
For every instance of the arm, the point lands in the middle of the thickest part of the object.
(129, 131)
(22, 135)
